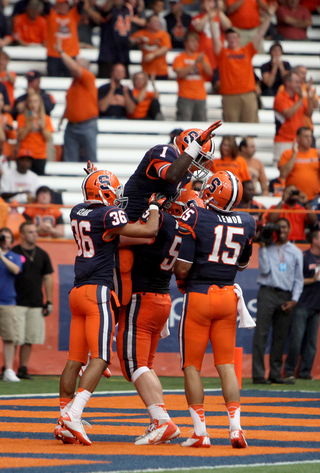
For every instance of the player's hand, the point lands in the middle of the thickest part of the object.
(90, 167)
(181, 284)
(207, 134)
(47, 309)
(157, 199)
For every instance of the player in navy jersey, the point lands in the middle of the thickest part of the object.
(216, 244)
(146, 315)
(164, 169)
(96, 224)
(161, 171)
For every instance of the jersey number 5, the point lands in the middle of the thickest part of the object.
(227, 236)
(167, 263)
(85, 243)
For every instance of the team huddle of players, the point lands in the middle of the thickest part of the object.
(129, 244)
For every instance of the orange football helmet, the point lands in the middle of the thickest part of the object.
(200, 165)
(223, 191)
(103, 187)
(182, 201)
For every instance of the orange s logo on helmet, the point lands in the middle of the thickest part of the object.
(223, 192)
(103, 187)
(182, 201)
(200, 165)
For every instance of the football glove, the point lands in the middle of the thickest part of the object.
(207, 134)
(157, 199)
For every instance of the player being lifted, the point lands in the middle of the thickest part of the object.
(216, 243)
(141, 324)
(165, 168)
(96, 225)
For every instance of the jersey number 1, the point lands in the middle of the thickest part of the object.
(216, 255)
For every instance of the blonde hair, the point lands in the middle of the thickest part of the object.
(41, 104)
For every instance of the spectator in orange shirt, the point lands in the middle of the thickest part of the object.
(294, 199)
(35, 131)
(247, 149)
(238, 89)
(306, 86)
(290, 108)
(230, 161)
(154, 44)
(211, 14)
(193, 69)
(245, 18)
(7, 131)
(148, 106)
(48, 220)
(62, 22)
(7, 78)
(300, 166)
(30, 27)
(293, 20)
(80, 139)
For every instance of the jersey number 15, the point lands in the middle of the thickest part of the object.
(225, 235)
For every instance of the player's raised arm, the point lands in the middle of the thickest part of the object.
(196, 147)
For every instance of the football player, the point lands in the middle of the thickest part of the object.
(96, 224)
(163, 169)
(166, 168)
(216, 243)
(146, 315)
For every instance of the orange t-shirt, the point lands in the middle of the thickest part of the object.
(152, 42)
(247, 16)
(143, 106)
(6, 118)
(35, 141)
(237, 166)
(65, 27)
(39, 215)
(193, 85)
(286, 129)
(205, 38)
(307, 121)
(82, 98)
(305, 172)
(30, 31)
(296, 220)
(8, 85)
(236, 71)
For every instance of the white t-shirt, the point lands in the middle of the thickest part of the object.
(14, 181)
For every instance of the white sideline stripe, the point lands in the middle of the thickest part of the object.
(210, 467)
(4, 396)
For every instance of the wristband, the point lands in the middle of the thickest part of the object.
(193, 149)
(153, 207)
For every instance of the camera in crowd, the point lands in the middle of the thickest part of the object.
(265, 232)
(295, 192)
(2, 237)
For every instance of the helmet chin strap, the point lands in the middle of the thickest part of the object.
(105, 202)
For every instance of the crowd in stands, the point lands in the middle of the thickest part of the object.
(215, 42)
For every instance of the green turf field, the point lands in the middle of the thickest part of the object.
(50, 384)
(289, 468)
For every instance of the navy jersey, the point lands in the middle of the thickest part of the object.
(147, 179)
(94, 263)
(214, 242)
(115, 32)
(310, 297)
(153, 264)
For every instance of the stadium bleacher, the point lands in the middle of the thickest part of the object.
(122, 143)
